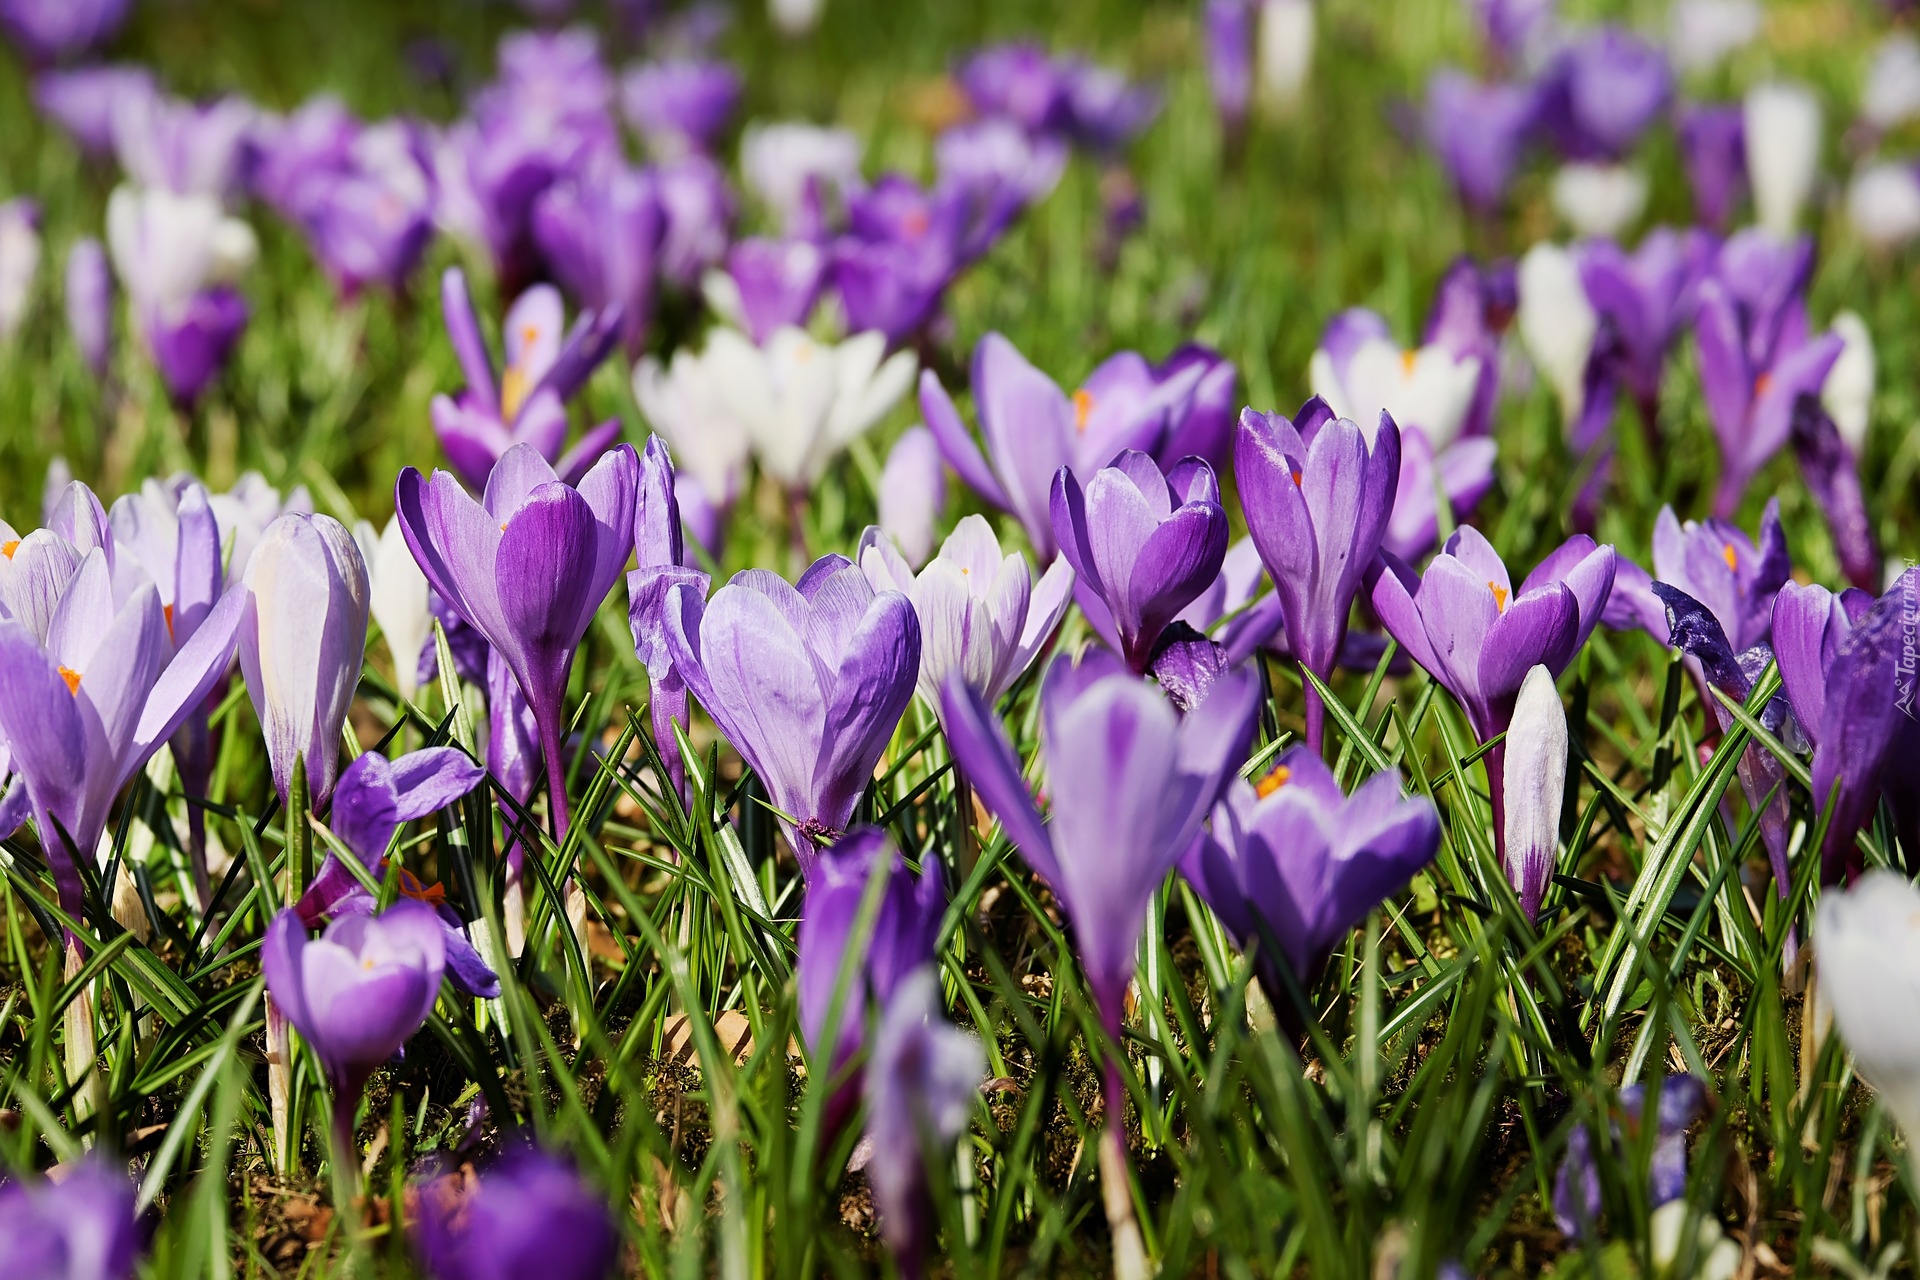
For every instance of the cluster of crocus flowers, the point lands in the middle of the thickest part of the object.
(1576, 1186)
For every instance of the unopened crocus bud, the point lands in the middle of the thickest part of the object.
(1536, 780)
(19, 261)
(1783, 152)
(1230, 42)
(302, 643)
(399, 602)
(913, 494)
(90, 303)
(1285, 52)
(1599, 201)
(1868, 942)
(1847, 394)
(1557, 323)
(1883, 204)
(795, 17)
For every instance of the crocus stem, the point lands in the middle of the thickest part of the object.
(1316, 718)
(797, 525)
(574, 902)
(1496, 764)
(279, 1084)
(346, 1153)
(81, 1047)
(1129, 1252)
(966, 839)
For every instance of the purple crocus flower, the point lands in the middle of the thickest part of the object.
(191, 349)
(1477, 131)
(527, 567)
(1182, 407)
(1647, 298)
(1005, 167)
(902, 941)
(1512, 28)
(363, 196)
(527, 405)
(1131, 781)
(293, 156)
(1757, 356)
(303, 643)
(1318, 513)
(89, 297)
(86, 100)
(663, 565)
(1693, 629)
(905, 245)
(912, 494)
(1576, 1187)
(600, 234)
(1143, 544)
(530, 1213)
(1106, 110)
(1229, 34)
(1032, 429)
(1291, 863)
(83, 1227)
(1713, 148)
(1471, 631)
(1716, 564)
(86, 703)
(357, 994)
(807, 681)
(1832, 473)
(48, 30)
(1602, 92)
(1019, 82)
(375, 798)
(981, 614)
(680, 105)
(776, 283)
(921, 1083)
(188, 148)
(1852, 692)
(177, 255)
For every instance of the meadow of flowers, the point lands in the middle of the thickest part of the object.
(1136, 637)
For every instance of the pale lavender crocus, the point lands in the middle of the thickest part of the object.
(527, 566)
(600, 234)
(85, 101)
(1143, 545)
(698, 209)
(775, 283)
(663, 564)
(357, 993)
(1291, 863)
(1758, 357)
(921, 1082)
(87, 701)
(545, 364)
(981, 613)
(1318, 513)
(1471, 630)
(188, 148)
(364, 200)
(375, 798)
(303, 643)
(680, 104)
(1130, 780)
(912, 494)
(89, 304)
(807, 680)
(1032, 428)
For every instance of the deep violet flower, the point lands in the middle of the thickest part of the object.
(1647, 297)
(375, 797)
(529, 1213)
(600, 234)
(357, 993)
(807, 681)
(1602, 92)
(1318, 513)
(1715, 563)
(1576, 1187)
(680, 105)
(527, 566)
(1467, 626)
(1713, 149)
(774, 284)
(1477, 131)
(1831, 469)
(1291, 864)
(1229, 38)
(1032, 429)
(527, 405)
(82, 1227)
(46, 30)
(1143, 544)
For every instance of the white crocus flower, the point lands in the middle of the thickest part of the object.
(1892, 92)
(19, 261)
(1868, 942)
(1599, 200)
(802, 400)
(777, 162)
(1557, 323)
(167, 247)
(682, 402)
(1701, 33)
(796, 17)
(1783, 152)
(1847, 394)
(397, 594)
(1427, 387)
(1883, 203)
(1284, 53)
(981, 614)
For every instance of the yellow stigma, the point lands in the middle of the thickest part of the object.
(1272, 782)
(72, 678)
(1500, 594)
(1407, 360)
(8, 547)
(1082, 409)
(513, 389)
(1733, 561)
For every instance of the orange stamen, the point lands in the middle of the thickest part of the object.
(1296, 481)
(72, 678)
(1761, 383)
(1272, 782)
(8, 547)
(1500, 594)
(166, 611)
(410, 886)
(1733, 561)
(1082, 409)
(916, 223)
